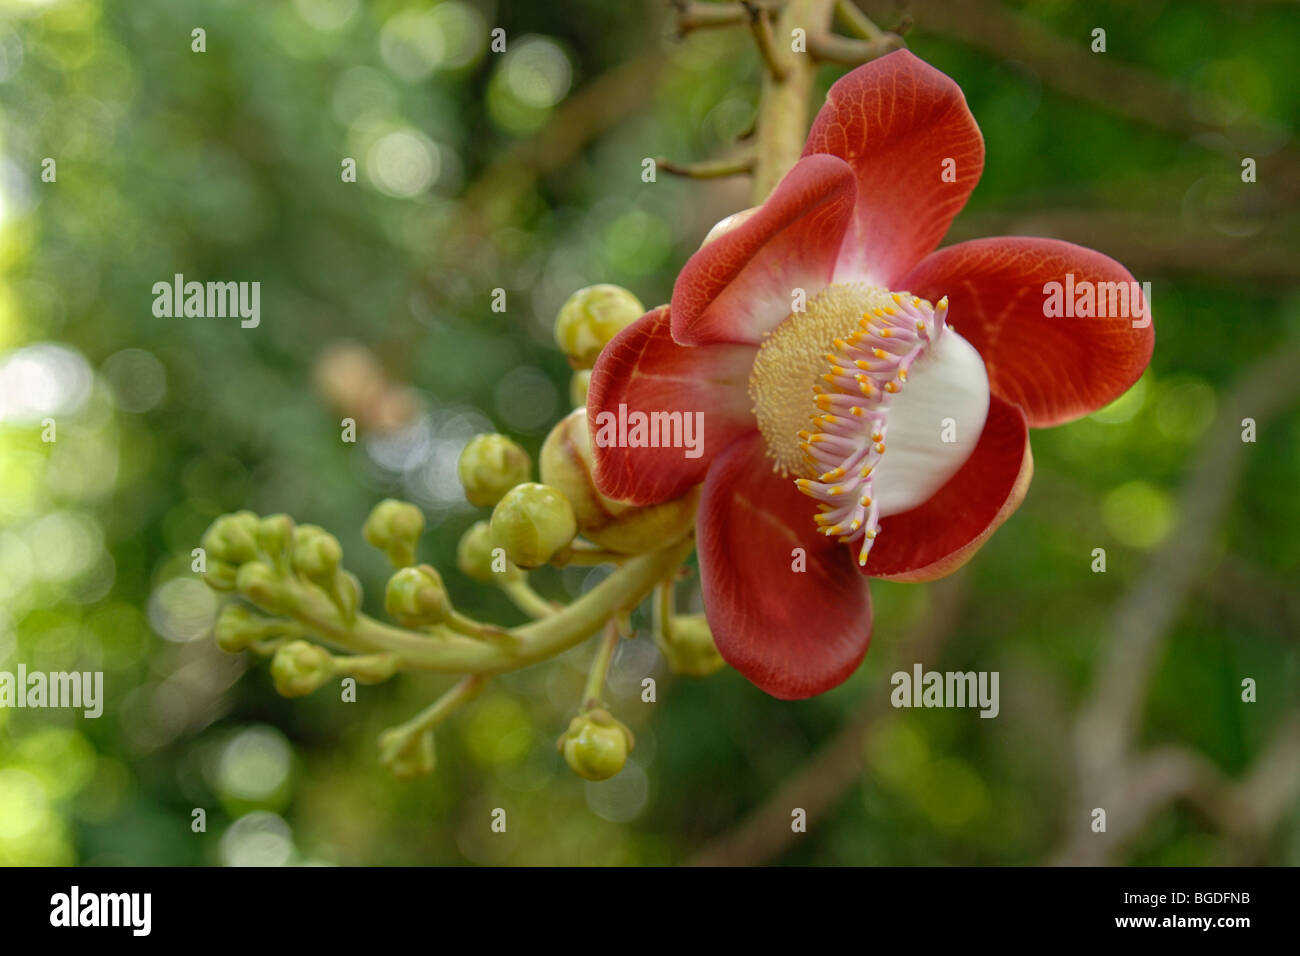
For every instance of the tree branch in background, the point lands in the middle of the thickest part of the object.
(1132, 787)
(716, 169)
(707, 16)
(1148, 242)
(822, 781)
(1104, 81)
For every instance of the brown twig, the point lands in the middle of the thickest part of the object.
(760, 25)
(1103, 80)
(1132, 787)
(829, 48)
(712, 169)
(707, 16)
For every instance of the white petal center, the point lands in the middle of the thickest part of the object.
(934, 424)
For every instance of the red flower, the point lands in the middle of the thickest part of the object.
(799, 404)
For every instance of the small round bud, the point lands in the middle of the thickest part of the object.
(275, 534)
(232, 538)
(590, 318)
(476, 559)
(578, 386)
(566, 465)
(596, 745)
(237, 628)
(691, 650)
(298, 668)
(415, 597)
(220, 576)
(531, 523)
(394, 527)
(489, 466)
(258, 582)
(316, 553)
(407, 755)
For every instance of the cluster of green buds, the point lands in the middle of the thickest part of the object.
(298, 600)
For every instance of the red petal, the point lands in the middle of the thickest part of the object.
(1057, 369)
(792, 633)
(938, 537)
(898, 121)
(741, 284)
(644, 369)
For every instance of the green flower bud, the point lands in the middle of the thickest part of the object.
(298, 668)
(691, 650)
(475, 560)
(407, 755)
(237, 629)
(415, 597)
(394, 527)
(258, 582)
(232, 538)
(489, 466)
(579, 383)
(316, 554)
(531, 523)
(590, 318)
(275, 534)
(220, 576)
(566, 465)
(596, 745)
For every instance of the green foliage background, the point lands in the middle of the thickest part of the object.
(480, 171)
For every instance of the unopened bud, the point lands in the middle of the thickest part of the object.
(407, 755)
(394, 527)
(415, 597)
(258, 582)
(489, 466)
(590, 318)
(691, 650)
(316, 554)
(275, 534)
(298, 668)
(475, 558)
(220, 576)
(566, 465)
(596, 745)
(531, 523)
(232, 538)
(237, 629)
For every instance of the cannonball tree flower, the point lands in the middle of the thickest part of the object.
(867, 399)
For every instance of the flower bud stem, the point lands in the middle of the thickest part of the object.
(464, 690)
(584, 555)
(536, 641)
(662, 610)
(368, 668)
(527, 600)
(600, 667)
(462, 624)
